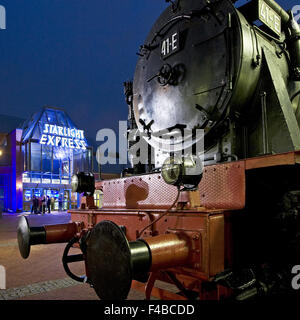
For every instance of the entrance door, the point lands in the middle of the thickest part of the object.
(27, 199)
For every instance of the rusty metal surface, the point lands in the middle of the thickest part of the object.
(147, 191)
(209, 243)
(290, 158)
(206, 231)
(216, 244)
(223, 186)
(133, 221)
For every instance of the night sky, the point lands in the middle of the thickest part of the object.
(74, 54)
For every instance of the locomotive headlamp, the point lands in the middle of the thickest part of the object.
(83, 183)
(183, 171)
(171, 170)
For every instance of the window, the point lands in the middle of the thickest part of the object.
(56, 166)
(46, 159)
(35, 156)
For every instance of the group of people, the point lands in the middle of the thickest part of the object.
(39, 205)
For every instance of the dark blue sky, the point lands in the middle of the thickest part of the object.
(74, 54)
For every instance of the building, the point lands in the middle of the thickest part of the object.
(7, 144)
(39, 158)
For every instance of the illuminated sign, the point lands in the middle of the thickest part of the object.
(63, 137)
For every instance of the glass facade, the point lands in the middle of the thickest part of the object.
(47, 164)
(53, 150)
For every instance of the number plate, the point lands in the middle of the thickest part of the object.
(269, 17)
(170, 45)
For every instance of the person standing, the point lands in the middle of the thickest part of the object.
(34, 205)
(40, 209)
(49, 204)
(43, 204)
(60, 203)
(52, 200)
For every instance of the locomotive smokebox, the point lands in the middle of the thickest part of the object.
(113, 262)
(178, 85)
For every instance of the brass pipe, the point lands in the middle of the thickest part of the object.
(168, 250)
(159, 252)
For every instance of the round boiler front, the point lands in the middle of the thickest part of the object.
(179, 86)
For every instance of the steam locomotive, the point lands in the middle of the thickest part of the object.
(231, 228)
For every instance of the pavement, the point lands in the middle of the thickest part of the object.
(41, 276)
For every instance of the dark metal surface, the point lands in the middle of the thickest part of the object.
(140, 256)
(66, 259)
(24, 237)
(205, 83)
(29, 236)
(109, 261)
(83, 182)
(220, 91)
